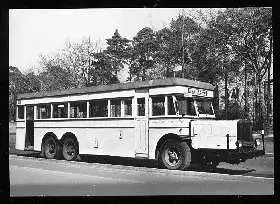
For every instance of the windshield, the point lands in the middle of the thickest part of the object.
(204, 106)
(185, 105)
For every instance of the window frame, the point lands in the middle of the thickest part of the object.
(91, 108)
(123, 107)
(120, 105)
(167, 107)
(201, 115)
(137, 108)
(59, 103)
(86, 108)
(23, 113)
(38, 109)
(164, 106)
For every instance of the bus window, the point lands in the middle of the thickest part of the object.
(99, 108)
(60, 110)
(20, 112)
(204, 106)
(158, 105)
(44, 111)
(186, 106)
(171, 106)
(141, 106)
(127, 107)
(78, 109)
(115, 108)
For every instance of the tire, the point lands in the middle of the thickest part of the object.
(70, 149)
(50, 148)
(175, 155)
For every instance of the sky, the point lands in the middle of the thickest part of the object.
(42, 31)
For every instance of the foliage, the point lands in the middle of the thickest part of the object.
(101, 70)
(118, 52)
(184, 29)
(18, 83)
(143, 53)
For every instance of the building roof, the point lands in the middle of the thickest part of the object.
(120, 86)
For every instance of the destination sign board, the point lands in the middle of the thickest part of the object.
(195, 92)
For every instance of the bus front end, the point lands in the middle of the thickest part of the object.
(228, 141)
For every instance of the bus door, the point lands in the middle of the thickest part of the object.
(29, 130)
(141, 123)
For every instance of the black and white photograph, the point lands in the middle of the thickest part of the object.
(141, 102)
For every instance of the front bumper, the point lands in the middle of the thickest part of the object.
(242, 154)
(248, 150)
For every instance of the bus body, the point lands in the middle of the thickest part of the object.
(171, 120)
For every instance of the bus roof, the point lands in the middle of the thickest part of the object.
(119, 87)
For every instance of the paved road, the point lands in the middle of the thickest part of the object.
(37, 176)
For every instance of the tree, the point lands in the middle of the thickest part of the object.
(143, 53)
(253, 43)
(18, 84)
(117, 51)
(69, 67)
(215, 55)
(101, 70)
(76, 58)
(245, 35)
(165, 53)
(55, 73)
(184, 30)
(55, 78)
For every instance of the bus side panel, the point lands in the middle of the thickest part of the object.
(20, 135)
(158, 127)
(100, 137)
(106, 141)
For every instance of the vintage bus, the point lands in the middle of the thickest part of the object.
(170, 120)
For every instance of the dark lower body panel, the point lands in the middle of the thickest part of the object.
(223, 155)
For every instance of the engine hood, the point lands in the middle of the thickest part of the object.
(213, 133)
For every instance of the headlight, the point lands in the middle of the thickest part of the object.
(238, 144)
(257, 142)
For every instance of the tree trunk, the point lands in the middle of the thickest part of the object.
(130, 76)
(245, 94)
(216, 98)
(256, 104)
(268, 102)
(226, 95)
(260, 104)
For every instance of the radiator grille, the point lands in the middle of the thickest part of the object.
(244, 130)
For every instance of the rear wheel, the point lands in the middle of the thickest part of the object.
(50, 148)
(175, 155)
(70, 149)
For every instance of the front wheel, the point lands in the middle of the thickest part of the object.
(175, 155)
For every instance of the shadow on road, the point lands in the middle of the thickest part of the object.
(139, 163)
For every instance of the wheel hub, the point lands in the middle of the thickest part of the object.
(172, 157)
(50, 148)
(70, 150)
